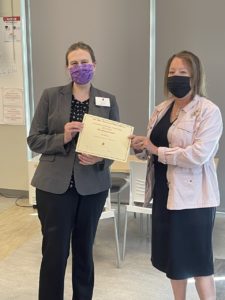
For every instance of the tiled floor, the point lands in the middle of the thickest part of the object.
(135, 280)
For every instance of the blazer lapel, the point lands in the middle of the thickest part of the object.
(93, 108)
(65, 98)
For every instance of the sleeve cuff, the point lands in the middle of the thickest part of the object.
(162, 155)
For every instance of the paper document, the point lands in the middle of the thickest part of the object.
(104, 138)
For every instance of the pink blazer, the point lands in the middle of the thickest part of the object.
(193, 142)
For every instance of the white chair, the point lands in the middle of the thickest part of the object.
(137, 194)
(118, 185)
(108, 213)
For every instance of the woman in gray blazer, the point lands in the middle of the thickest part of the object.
(71, 188)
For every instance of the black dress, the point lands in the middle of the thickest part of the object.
(181, 239)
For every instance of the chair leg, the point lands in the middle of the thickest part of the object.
(117, 243)
(141, 224)
(125, 236)
(118, 213)
(148, 226)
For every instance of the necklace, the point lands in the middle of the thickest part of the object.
(177, 112)
(174, 114)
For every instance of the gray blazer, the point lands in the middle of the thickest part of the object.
(57, 161)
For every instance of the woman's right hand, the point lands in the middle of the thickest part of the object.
(71, 129)
(138, 142)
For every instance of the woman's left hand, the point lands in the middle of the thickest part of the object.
(87, 160)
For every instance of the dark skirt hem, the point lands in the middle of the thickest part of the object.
(181, 277)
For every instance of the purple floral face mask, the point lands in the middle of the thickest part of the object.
(82, 74)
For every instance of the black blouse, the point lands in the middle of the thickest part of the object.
(78, 109)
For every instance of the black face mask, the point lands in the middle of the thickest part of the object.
(179, 86)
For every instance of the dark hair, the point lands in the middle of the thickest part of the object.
(83, 46)
(198, 83)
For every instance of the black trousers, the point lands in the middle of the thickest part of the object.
(64, 218)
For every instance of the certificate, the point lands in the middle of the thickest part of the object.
(104, 138)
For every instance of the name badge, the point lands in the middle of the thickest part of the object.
(100, 101)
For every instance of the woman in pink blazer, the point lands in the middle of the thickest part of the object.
(181, 143)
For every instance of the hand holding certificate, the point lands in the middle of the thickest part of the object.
(104, 138)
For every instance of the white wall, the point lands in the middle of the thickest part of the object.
(13, 153)
(119, 33)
